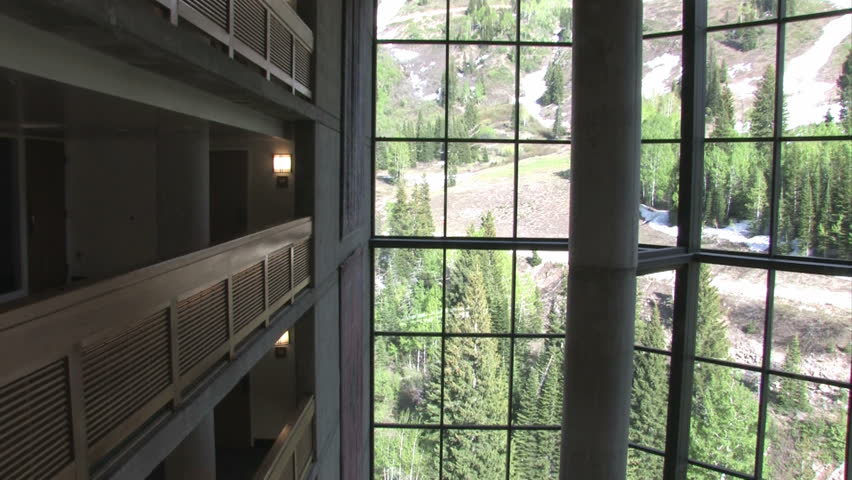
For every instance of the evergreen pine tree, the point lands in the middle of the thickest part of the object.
(475, 391)
(724, 410)
(649, 402)
(762, 116)
(558, 129)
(793, 395)
(554, 82)
(844, 84)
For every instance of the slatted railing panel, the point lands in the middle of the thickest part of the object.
(303, 65)
(123, 373)
(35, 424)
(248, 296)
(301, 262)
(281, 46)
(250, 24)
(279, 274)
(214, 10)
(202, 325)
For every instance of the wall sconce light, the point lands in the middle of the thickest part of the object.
(282, 165)
(282, 344)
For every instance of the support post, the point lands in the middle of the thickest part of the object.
(606, 114)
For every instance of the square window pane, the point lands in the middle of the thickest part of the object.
(723, 12)
(723, 427)
(409, 189)
(482, 91)
(541, 291)
(737, 179)
(478, 291)
(804, 7)
(420, 20)
(476, 381)
(661, 74)
(740, 97)
(546, 20)
(406, 453)
(407, 380)
(408, 290)
(483, 20)
(410, 90)
(655, 310)
(814, 216)
(662, 15)
(545, 96)
(538, 380)
(806, 430)
(815, 52)
(476, 454)
(659, 177)
(649, 401)
(535, 454)
(644, 466)
(812, 327)
(544, 190)
(480, 189)
(732, 313)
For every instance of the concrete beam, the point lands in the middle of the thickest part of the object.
(129, 30)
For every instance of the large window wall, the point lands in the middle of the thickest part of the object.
(744, 300)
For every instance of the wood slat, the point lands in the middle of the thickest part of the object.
(281, 46)
(250, 24)
(214, 10)
(123, 373)
(37, 438)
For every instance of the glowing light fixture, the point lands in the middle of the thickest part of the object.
(282, 344)
(282, 165)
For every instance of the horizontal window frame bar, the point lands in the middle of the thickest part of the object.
(818, 266)
(431, 426)
(777, 373)
(489, 43)
(658, 351)
(783, 139)
(718, 469)
(522, 336)
(511, 141)
(643, 448)
(471, 243)
(777, 20)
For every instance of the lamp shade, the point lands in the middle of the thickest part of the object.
(282, 164)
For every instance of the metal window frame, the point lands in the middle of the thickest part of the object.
(684, 257)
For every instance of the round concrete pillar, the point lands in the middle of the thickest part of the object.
(607, 67)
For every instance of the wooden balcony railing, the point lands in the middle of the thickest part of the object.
(82, 372)
(292, 454)
(266, 32)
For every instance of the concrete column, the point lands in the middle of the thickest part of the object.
(195, 457)
(183, 185)
(607, 67)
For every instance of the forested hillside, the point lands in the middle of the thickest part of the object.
(467, 92)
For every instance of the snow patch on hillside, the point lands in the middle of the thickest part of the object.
(657, 81)
(657, 220)
(386, 13)
(532, 88)
(807, 98)
(738, 233)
